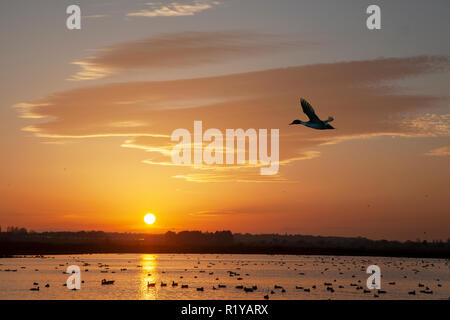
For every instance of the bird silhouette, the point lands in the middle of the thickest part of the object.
(314, 121)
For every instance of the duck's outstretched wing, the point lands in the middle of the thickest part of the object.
(309, 111)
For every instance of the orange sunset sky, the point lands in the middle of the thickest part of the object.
(86, 116)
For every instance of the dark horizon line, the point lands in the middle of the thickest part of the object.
(19, 241)
(23, 230)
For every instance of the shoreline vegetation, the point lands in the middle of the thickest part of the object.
(18, 241)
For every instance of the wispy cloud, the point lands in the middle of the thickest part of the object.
(227, 177)
(222, 173)
(349, 91)
(430, 124)
(212, 213)
(178, 50)
(25, 110)
(174, 9)
(439, 152)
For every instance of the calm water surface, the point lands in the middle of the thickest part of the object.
(344, 275)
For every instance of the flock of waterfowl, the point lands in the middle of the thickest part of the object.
(234, 275)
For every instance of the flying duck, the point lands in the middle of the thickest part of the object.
(314, 121)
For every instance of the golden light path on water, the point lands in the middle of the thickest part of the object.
(148, 275)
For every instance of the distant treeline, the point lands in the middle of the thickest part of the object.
(19, 241)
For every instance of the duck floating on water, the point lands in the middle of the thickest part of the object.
(314, 121)
(107, 282)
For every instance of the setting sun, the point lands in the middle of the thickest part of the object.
(149, 218)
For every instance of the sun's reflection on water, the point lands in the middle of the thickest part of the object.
(148, 275)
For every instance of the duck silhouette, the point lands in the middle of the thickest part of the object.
(314, 121)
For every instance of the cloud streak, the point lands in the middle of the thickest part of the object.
(353, 92)
(180, 50)
(439, 152)
(174, 9)
(430, 124)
